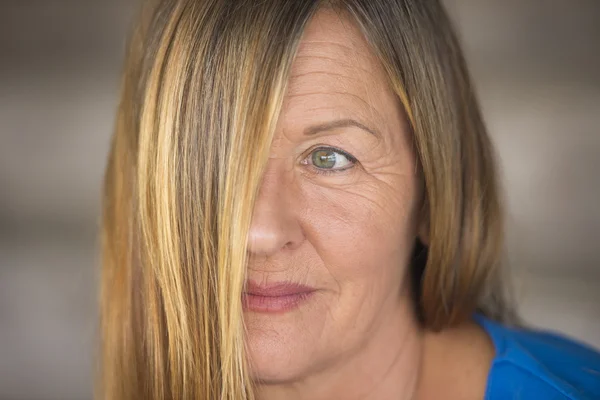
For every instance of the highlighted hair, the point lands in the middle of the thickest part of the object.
(202, 89)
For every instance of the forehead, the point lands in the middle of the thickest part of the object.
(336, 74)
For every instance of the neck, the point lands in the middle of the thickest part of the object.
(386, 366)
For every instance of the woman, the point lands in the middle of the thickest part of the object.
(301, 203)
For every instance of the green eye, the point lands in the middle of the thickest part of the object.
(330, 159)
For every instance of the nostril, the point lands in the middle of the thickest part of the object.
(274, 231)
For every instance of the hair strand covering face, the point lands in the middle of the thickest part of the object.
(203, 86)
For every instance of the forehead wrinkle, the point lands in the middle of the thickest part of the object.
(368, 105)
(353, 75)
(325, 46)
(296, 85)
(337, 61)
(341, 54)
(326, 42)
(303, 74)
(344, 56)
(352, 41)
(321, 108)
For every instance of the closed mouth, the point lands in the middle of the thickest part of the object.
(275, 298)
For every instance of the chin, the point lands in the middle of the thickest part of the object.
(283, 345)
(275, 357)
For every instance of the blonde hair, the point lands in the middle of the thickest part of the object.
(202, 88)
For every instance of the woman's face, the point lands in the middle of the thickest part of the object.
(337, 213)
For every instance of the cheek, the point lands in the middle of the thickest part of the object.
(363, 234)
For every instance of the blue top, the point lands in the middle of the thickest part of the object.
(533, 365)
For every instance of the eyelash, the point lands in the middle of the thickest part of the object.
(326, 172)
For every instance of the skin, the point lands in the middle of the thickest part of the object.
(348, 234)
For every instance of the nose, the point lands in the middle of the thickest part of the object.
(274, 224)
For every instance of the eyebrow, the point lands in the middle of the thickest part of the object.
(341, 123)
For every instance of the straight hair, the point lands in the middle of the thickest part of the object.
(202, 88)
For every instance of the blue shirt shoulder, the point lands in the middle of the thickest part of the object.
(539, 365)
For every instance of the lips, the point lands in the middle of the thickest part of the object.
(276, 297)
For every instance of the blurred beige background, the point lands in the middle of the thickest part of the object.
(536, 64)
